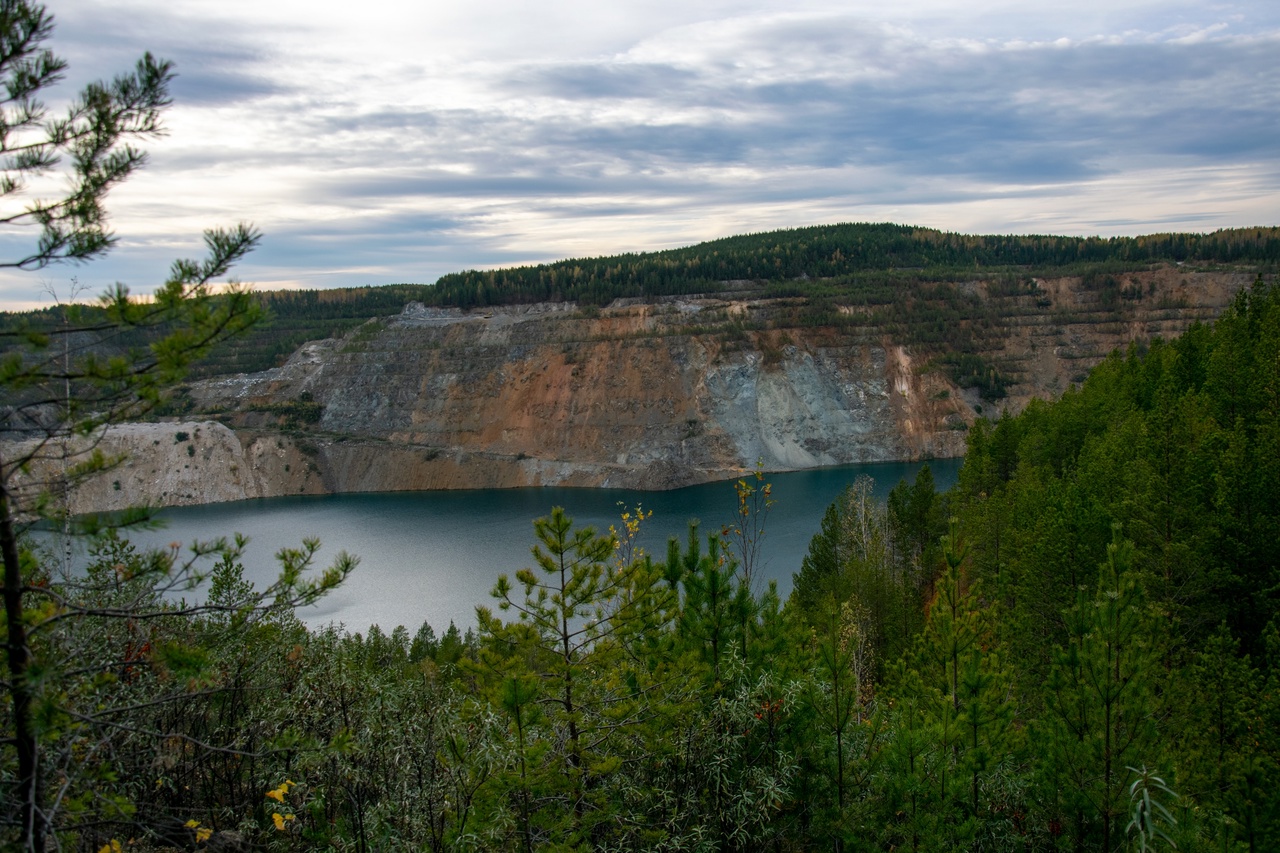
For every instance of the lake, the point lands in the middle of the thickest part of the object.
(435, 555)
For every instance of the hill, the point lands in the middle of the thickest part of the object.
(903, 276)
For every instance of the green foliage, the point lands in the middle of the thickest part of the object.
(111, 678)
(589, 607)
(1100, 701)
(293, 414)
(137, 695)
(1178, 445)
(952, 733)
(717, 605)
(846, 723)
(1057, 654)
(873, 557)
(1148, 812)
(799, 260)
(972, 371)
(990, 684)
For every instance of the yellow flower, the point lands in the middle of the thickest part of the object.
(113, 847)
(279, 820)
(276, 794)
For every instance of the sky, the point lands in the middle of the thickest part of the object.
(398, 140)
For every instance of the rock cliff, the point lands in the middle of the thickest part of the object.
(649, 395)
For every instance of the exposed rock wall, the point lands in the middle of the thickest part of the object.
(542, 396)
(174, 464)
(642, 395)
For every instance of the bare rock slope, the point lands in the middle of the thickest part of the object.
(542, 395)
(650, 395)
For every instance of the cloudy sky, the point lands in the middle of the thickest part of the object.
(397, 140)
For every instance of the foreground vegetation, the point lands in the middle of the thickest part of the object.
(1076, 648)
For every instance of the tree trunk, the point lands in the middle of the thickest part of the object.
(31, 812)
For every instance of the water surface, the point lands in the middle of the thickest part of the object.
(435, 555)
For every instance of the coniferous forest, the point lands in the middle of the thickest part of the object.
(852, 258)
(1076, 648)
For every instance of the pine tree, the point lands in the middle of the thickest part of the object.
(716, 604)
(840, 695)
(964, 690)
(576, 614)
(1100, 706)
(1216, 699)
(57, 401)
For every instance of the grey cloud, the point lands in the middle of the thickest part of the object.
(1150, 223)
(1035, 115)
(1031, 117)
(837, 115)
(217, 62)
(384, 224)
(398, 247)
(1046, 114)
(211, 85)
(382, 120)
(533, 190)
(601, 80)
(452, 185)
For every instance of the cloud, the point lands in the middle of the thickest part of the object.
(591, 81)
(413, 140)
(217, 61)
(1038, 114)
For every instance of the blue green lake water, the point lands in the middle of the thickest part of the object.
(436, 555)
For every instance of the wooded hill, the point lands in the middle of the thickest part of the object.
(904, 278)
(844, 252)
(291, 319)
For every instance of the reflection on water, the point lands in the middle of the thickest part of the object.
(435, 555)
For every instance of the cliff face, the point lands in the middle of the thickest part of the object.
(176, 464)
(642, 395)
(543, 395)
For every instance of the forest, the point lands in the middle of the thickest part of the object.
(903, 279)
(854, 256)
(1075, 648)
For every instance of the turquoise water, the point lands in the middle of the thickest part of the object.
(436, 555)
